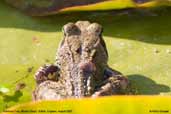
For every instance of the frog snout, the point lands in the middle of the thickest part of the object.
(87, 67)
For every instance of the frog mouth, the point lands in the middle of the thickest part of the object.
(88, 69)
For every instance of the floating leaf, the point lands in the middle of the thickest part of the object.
(105, 105)
(49, 7)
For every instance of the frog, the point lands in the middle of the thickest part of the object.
(81, 67)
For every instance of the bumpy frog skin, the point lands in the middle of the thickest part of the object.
(81, 68)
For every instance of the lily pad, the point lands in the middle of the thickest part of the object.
(105, 105)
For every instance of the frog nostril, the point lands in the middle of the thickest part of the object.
(71, 29)
(86, 49)
(79, 50)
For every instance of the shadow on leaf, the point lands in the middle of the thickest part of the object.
(142, 85)
(15, 97)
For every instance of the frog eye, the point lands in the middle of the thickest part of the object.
(95, 29)
(71, 29)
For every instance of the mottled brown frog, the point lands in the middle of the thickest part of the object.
(81, 68)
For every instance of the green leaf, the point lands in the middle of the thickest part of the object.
(105, 105)
(50, 7)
